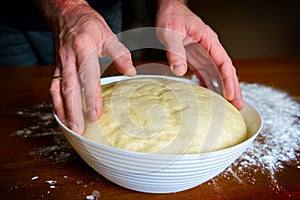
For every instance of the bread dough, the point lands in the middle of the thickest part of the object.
(158, 115)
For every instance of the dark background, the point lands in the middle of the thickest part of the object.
(247, 29)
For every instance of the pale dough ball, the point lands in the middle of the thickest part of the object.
(158, 115)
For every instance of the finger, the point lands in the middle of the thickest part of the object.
(227, 72)
(89, 75)
(223, 62)
(120, 55)
(71, 91)
(85, 50)
(238, 99)
(176, 55)
(56, 97)
(232, 89)
(177, 63)
(212, 45)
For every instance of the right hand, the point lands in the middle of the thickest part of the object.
(182, 27)
(81, 35)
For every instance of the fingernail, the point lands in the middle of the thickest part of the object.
(240, 105)
(229, 96)
(92, 114)
(131, 71)
(178, 69)
(74, 127)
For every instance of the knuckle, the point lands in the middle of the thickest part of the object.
(125, 53)
(120, 49)
(116, 49)
(88, 77)
(67, 88)
(82, 40)
(209, 31)
(54, 88)
(233, 70)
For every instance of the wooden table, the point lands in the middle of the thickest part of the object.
(37, 163)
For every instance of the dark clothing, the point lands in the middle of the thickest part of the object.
(25, 38)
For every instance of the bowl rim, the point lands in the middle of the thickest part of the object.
(111, 148)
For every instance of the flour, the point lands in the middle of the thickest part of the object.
(277, 146)
(52, 183)
(41, 124)
(35, 178)
(94, 196)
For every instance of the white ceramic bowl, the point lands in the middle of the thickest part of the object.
(153, 173)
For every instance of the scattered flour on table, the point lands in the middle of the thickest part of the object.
(52, 183)
(41, 124)
(94, 196)
(277, 146)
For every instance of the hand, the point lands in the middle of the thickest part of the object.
(81, 35)
(174, 16)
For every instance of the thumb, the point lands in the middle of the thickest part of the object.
(176, 55)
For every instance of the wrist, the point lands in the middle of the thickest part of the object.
(55, 10)
(163, 5)
(169, 2)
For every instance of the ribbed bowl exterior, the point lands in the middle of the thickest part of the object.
(153, 173)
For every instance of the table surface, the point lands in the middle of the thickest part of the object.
(38, 163)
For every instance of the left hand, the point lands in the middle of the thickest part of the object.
(174, 15)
